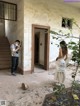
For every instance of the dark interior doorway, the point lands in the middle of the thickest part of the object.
(36, 54)
(40, 47)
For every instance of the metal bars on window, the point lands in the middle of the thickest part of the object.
(8, 11)
(67, 23)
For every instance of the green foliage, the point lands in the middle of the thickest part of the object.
(75, 51)
(57, 89)
(75, 85)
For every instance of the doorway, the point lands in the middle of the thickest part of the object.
(40, 47)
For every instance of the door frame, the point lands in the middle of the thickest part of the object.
(46, 64)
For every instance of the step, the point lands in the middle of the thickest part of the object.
(4, 41)
(5, 67)
(6, 64)
(6, 60)
(4, 44)
(3, 38)
(6, 50)
(5, 56)
(3, 52)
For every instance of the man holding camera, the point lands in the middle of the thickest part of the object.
(15, 48)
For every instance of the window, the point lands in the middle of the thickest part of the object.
(8, 11)
(67, 23)
(1, 10)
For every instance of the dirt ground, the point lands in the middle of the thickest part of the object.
(39, 84)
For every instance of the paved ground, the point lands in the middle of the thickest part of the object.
(39, 85)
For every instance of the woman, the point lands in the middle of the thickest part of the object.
(61, 63)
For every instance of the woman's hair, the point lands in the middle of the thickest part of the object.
(64, 47)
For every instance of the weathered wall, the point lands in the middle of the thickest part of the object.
(20, 29)
(10, 30)
(48, 13)
(2, 28)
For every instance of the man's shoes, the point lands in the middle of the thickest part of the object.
(13, 74)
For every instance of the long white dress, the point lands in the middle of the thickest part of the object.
(60, 70)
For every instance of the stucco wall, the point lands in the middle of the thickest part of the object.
(10, 30)
(2, 28)
(20, 29)
(48, 13)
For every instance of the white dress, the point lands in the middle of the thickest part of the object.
(60, 70)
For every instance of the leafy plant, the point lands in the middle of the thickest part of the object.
(57, 89)
(62, 96)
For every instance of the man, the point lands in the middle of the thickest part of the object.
(15, 48)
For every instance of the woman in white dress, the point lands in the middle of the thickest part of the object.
(61, 63)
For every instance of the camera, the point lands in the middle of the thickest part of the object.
(17, 50)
